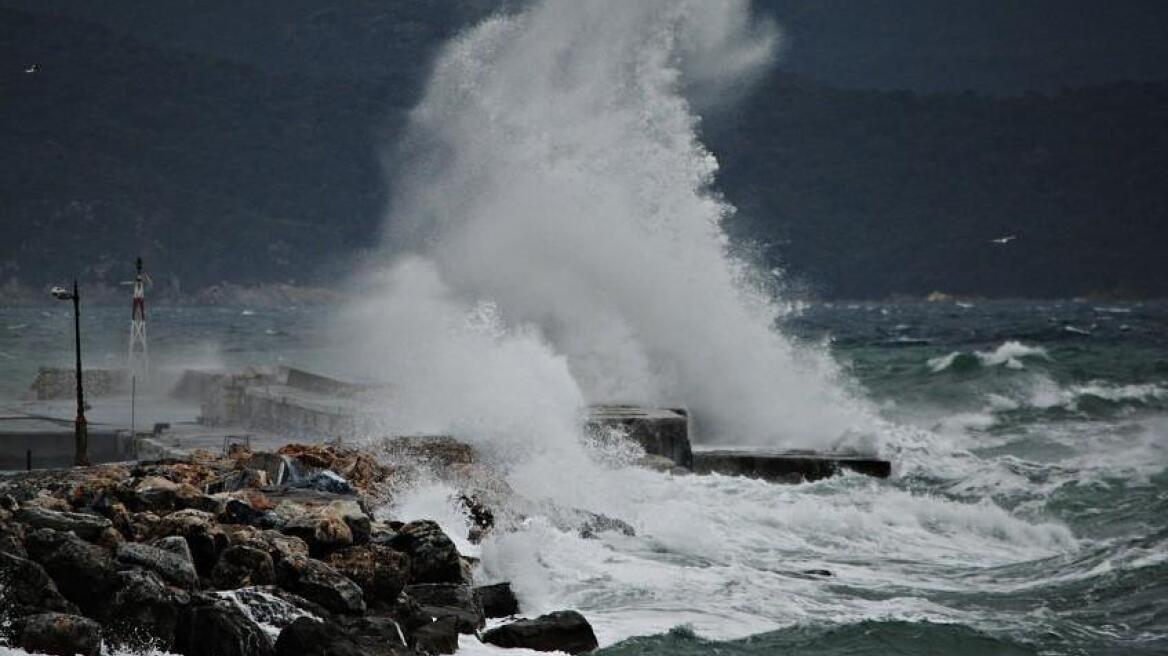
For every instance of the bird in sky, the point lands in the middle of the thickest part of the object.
(32, 68)
(1004, 240)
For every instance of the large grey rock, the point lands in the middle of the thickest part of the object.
(437, 637)
(497, 600)
(243, 565)
(325, 527)
(215, 627)
(86, 526)
(381, 572)
(59, 634)
(205, 538)
(453, 600)
(82, 571)
(174, 568)
(144, 611)
(12, 540)
(307, 637)
(319, 583)
(26, 589)
(564, 630)
(433, 556)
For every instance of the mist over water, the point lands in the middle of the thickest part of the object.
(553, 174)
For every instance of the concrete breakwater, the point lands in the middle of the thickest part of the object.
(231, 555)
(313, 406)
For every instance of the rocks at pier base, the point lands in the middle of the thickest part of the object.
(214, 627)
(786, 466)
(87, 527)
(145, 557)
(433, 556)
(59, 634)
(452, 600)
(177, 569)
(319, 583)
(564, 630)
(144, 610)
(437, 637)
(27, 589)
(497, 600)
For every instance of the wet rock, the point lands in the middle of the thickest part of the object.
(596, 523)
(433, 556)
(27, 588)
(12, 540)
(204, 537)
(381, 572)
(236, 511)
(437, 637)
(109, 539)
(86, 526)
(320, 583)
(497, 600)
(243, 565)
(306, 637)
(81, 570)
(143, 611)
(175, 568)
(60, 635)
(212, 626)
(273, 608)
(323, 527)
(451, 600)
(438, 451)
(564, 630)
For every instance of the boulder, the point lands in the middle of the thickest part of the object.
(497, 600)
(273, 608)
(564, 630)
(433, 556)
(12, 540)
(320, 583)
(437, 637)
(86, 526)
(60, 635)
(143, 611)
(243, 565)
(237, 511)
(204, 537)
(27, 589)
(175, 568)
(215, 627)
(452, 600)
(326, 527)
(81, 570)
(381, 572)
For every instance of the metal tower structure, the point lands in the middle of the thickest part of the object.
(138, 363)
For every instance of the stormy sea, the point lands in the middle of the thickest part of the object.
(555, 240)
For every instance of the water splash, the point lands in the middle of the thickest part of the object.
(552, 177)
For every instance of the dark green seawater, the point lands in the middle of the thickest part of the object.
(1056, 412)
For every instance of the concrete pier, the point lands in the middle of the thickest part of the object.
(47, 443)
(660, 431)
(786, 466)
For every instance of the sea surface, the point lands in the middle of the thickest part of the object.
(1027, 513)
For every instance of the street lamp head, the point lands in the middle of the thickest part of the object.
(61, 294)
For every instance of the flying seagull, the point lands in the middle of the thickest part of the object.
(1004, 240)
(32, 68)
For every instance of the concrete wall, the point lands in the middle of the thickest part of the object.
(55, 449)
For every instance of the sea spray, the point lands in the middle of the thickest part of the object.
(553, 173)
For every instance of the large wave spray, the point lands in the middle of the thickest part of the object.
(553, 172)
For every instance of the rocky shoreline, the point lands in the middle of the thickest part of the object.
(261, 554)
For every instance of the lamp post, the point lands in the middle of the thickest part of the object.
(80, 430)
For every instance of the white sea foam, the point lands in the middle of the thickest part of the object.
(554, 177)
(1008, 354)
